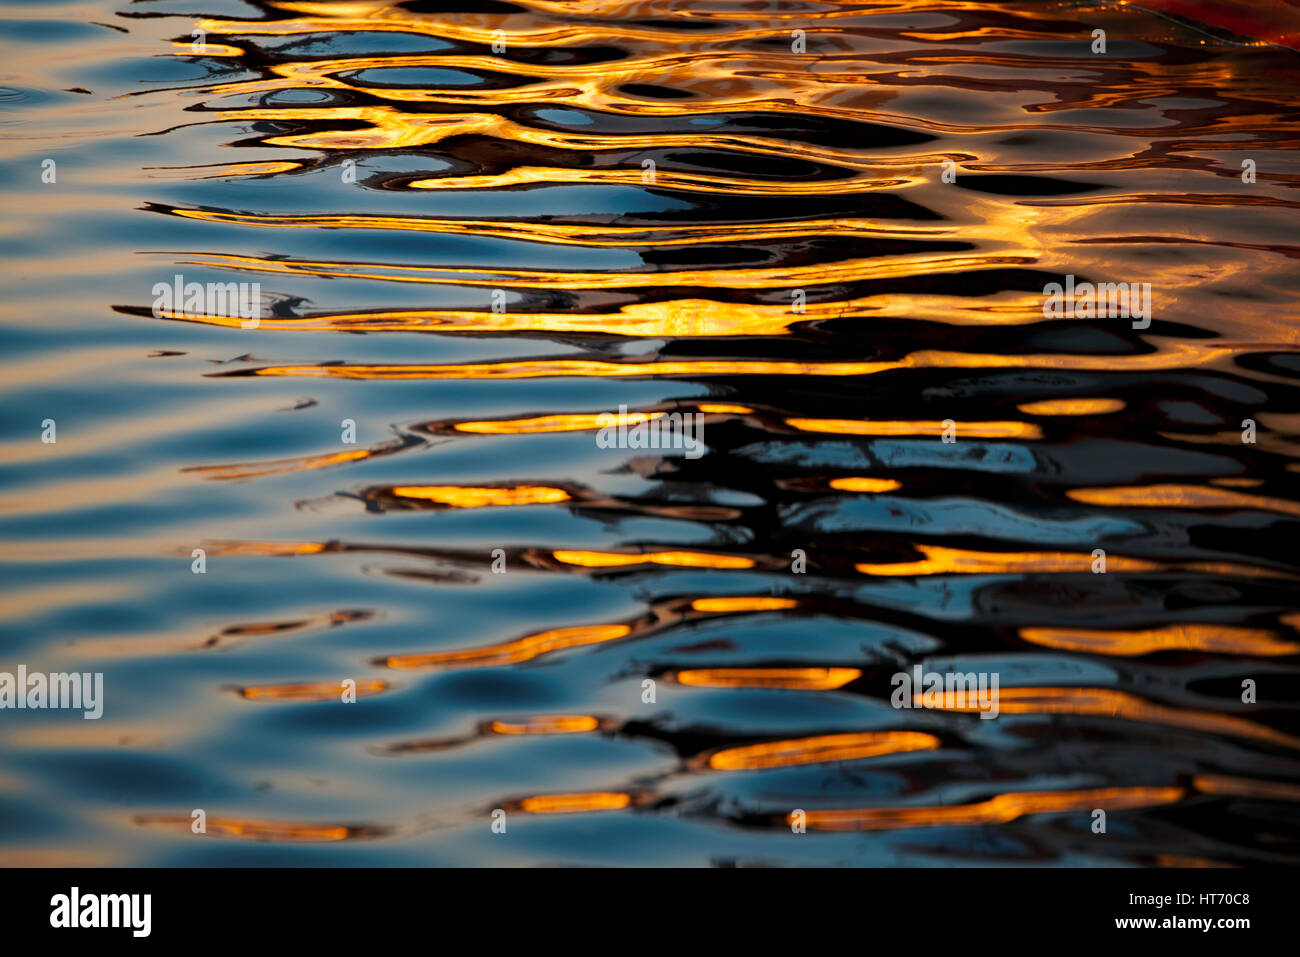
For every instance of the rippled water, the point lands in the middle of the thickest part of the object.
(463, 250)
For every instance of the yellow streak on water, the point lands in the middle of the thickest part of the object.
(462, 497)
(864, 484)
(755, 603)
(684, 559)
(264, 548)
(997, 810)
(1072, 407)
(674, 317)
(822, 749)
(946, 561)
(281, 465)
(940, 560)
(510, 652)
(1242, 787)
(549, 423)
(315, 691)
(1177, 355)
(262, 830)
(980, 430)
(630, 237)
(523, 175)
(801, 679)
(575, 803)
(1106, 702)
(1181, 496)
(547, 724)
(722, 408)
(776, 277)
(1222, 639)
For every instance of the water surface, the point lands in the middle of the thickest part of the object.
(460, 251)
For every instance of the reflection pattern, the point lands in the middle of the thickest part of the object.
(562, 632)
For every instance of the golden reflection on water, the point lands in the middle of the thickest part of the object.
(282, 465)
(1010, 236)
(313, 691)
(922, 316)
(575, 803)
(1106, 702)
(940, 560)
(222, 827)
(831, 747)
(996, 810)
(865, 484)
(512, 652)
(1181, 355)
(559, 639)
(629, 237)
(1072, 407)
(547, 724)
(742, 604)
(1181, 496)
(1213, 638)
(977, 430)
(1238, 787)
(548, 423)
(265, 548)
(682, 559)
(773, 278)
(461, 497)
(807, 679)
